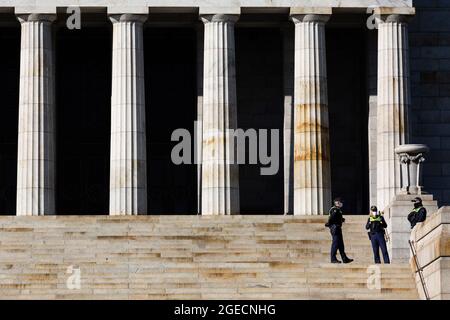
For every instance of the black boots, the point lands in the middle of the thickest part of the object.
(335, 261)
(346, 259)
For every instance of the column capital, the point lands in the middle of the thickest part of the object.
(127, 17)
(319, 18)
(398, 15)
(395, 18)
(29, 17)
(310, 14)
(220, 17)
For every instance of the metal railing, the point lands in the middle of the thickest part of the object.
(419, 269)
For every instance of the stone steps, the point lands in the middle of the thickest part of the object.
(190, 257)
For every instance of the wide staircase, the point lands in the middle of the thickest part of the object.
(190, 257)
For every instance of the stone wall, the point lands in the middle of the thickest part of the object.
(432, 242)
(430, 89)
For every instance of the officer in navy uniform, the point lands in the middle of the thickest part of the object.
(376, 225)
(335, 221)
(419, 213)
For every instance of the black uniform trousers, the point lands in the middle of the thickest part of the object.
(378, 242)
(337, 241)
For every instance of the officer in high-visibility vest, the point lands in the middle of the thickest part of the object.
(376, 225)
(419, 213)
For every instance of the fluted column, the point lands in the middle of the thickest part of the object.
(36, 153)
(312, 181)
(288, 117)
(128, 167)
(220, 185)
(199, 133)
(392, 103)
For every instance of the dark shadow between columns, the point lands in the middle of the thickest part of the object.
(348, 117)
(9, 114)
(83, 109)
(171, 103)
(260, 104)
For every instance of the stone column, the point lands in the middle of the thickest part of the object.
(199, 131)
(220, 184)
(392, 103)
(36, 140)
(371, 69)
(288, 121)
(128, 166)
(312, 181)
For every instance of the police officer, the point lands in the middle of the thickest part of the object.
(419, 213)
(335, 221)
(376, 225)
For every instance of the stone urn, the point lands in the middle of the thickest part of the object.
(411, 156)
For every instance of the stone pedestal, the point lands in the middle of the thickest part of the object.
(220, 175)
(312, 180)
(399, 228)
(410, 157)
(128, 166)
(36, 140)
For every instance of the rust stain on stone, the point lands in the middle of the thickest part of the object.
(195, 237)
(269, 225)
(116, 237)
(179, 237)
(40, 276)
(311, 127)
(73, 233)
(283, 265)
(310, 155)
(210, 141)
(12, 285)
(270, 241)
(115, 219)
(16, 250)
(228, 275)
(16, 229)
